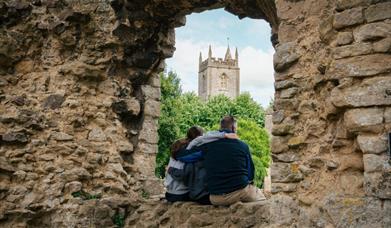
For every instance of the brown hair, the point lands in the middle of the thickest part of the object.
(192, 133)
(228, 122)
(177, 146)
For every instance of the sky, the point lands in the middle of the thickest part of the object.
(251, 37)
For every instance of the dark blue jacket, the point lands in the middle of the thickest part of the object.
(193, 176)
(228, 164)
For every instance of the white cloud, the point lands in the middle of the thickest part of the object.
(256, 67)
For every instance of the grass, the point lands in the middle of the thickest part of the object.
(118, 220)
(85, 195)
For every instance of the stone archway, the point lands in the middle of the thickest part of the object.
(80, 100)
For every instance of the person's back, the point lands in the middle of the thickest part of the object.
(227, 165)
(229, 168)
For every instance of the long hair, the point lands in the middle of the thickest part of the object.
(192, 133)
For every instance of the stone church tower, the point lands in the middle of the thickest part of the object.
(219, 76)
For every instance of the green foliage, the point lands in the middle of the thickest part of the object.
(258, 141)
(144, 194)
(246, 108)
(168, 128)
(118, 220)
(180, 111)
(85, 195)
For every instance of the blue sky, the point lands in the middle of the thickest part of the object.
(251, 37)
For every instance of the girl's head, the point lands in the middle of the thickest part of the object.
(177, 146)
(194, 132)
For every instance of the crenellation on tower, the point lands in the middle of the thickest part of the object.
(219, 76)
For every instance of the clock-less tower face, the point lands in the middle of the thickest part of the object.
(219, 76)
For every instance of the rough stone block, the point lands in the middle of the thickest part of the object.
(279, 144)
(61, 136)
(5, 166)
(73, 186)
(378, 184)
(287, 32)
(370, 92)
(148, 132)
(344, 38)
(53, 101)
(372, 144)
(145, 158)
(290, 156)
(150, 92)
(280, 187)
(387, 115)
(307, 106)
(84, 71)
(351, 211)
(147, 148)
(374, 163)
(387, 211)
(296, 141)
(97, 135)
(360, 66)
(124, 147)
(286, 104)
(283, 210)
(285, 173)
(282, 129)
(326, 30)
(382, 46)
(278, 116)
(284, 84)
(285, 56)
(378, 12)
(289, 93)
(152, 108)
(155, 80)
(364, 119)
(154, 186)
(373, 31)
(127, 107)
(352, 50)
(347, 4)
(75, 174)
(348, 18)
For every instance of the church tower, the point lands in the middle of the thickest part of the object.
(219, 76)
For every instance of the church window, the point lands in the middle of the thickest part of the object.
(223, 82)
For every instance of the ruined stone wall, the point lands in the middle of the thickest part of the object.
(79, 93)
(332, 110)
(78, 115)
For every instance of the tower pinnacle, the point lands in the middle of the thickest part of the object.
(228, 54)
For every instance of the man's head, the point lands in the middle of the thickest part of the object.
(228, 123)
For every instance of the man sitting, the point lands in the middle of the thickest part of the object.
(229, 168)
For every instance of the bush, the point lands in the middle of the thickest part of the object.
(258, 141)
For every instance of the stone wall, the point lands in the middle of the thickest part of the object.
(330, 121)
(78, 111)
(79, 93)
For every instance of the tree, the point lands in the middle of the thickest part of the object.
(246, 108)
